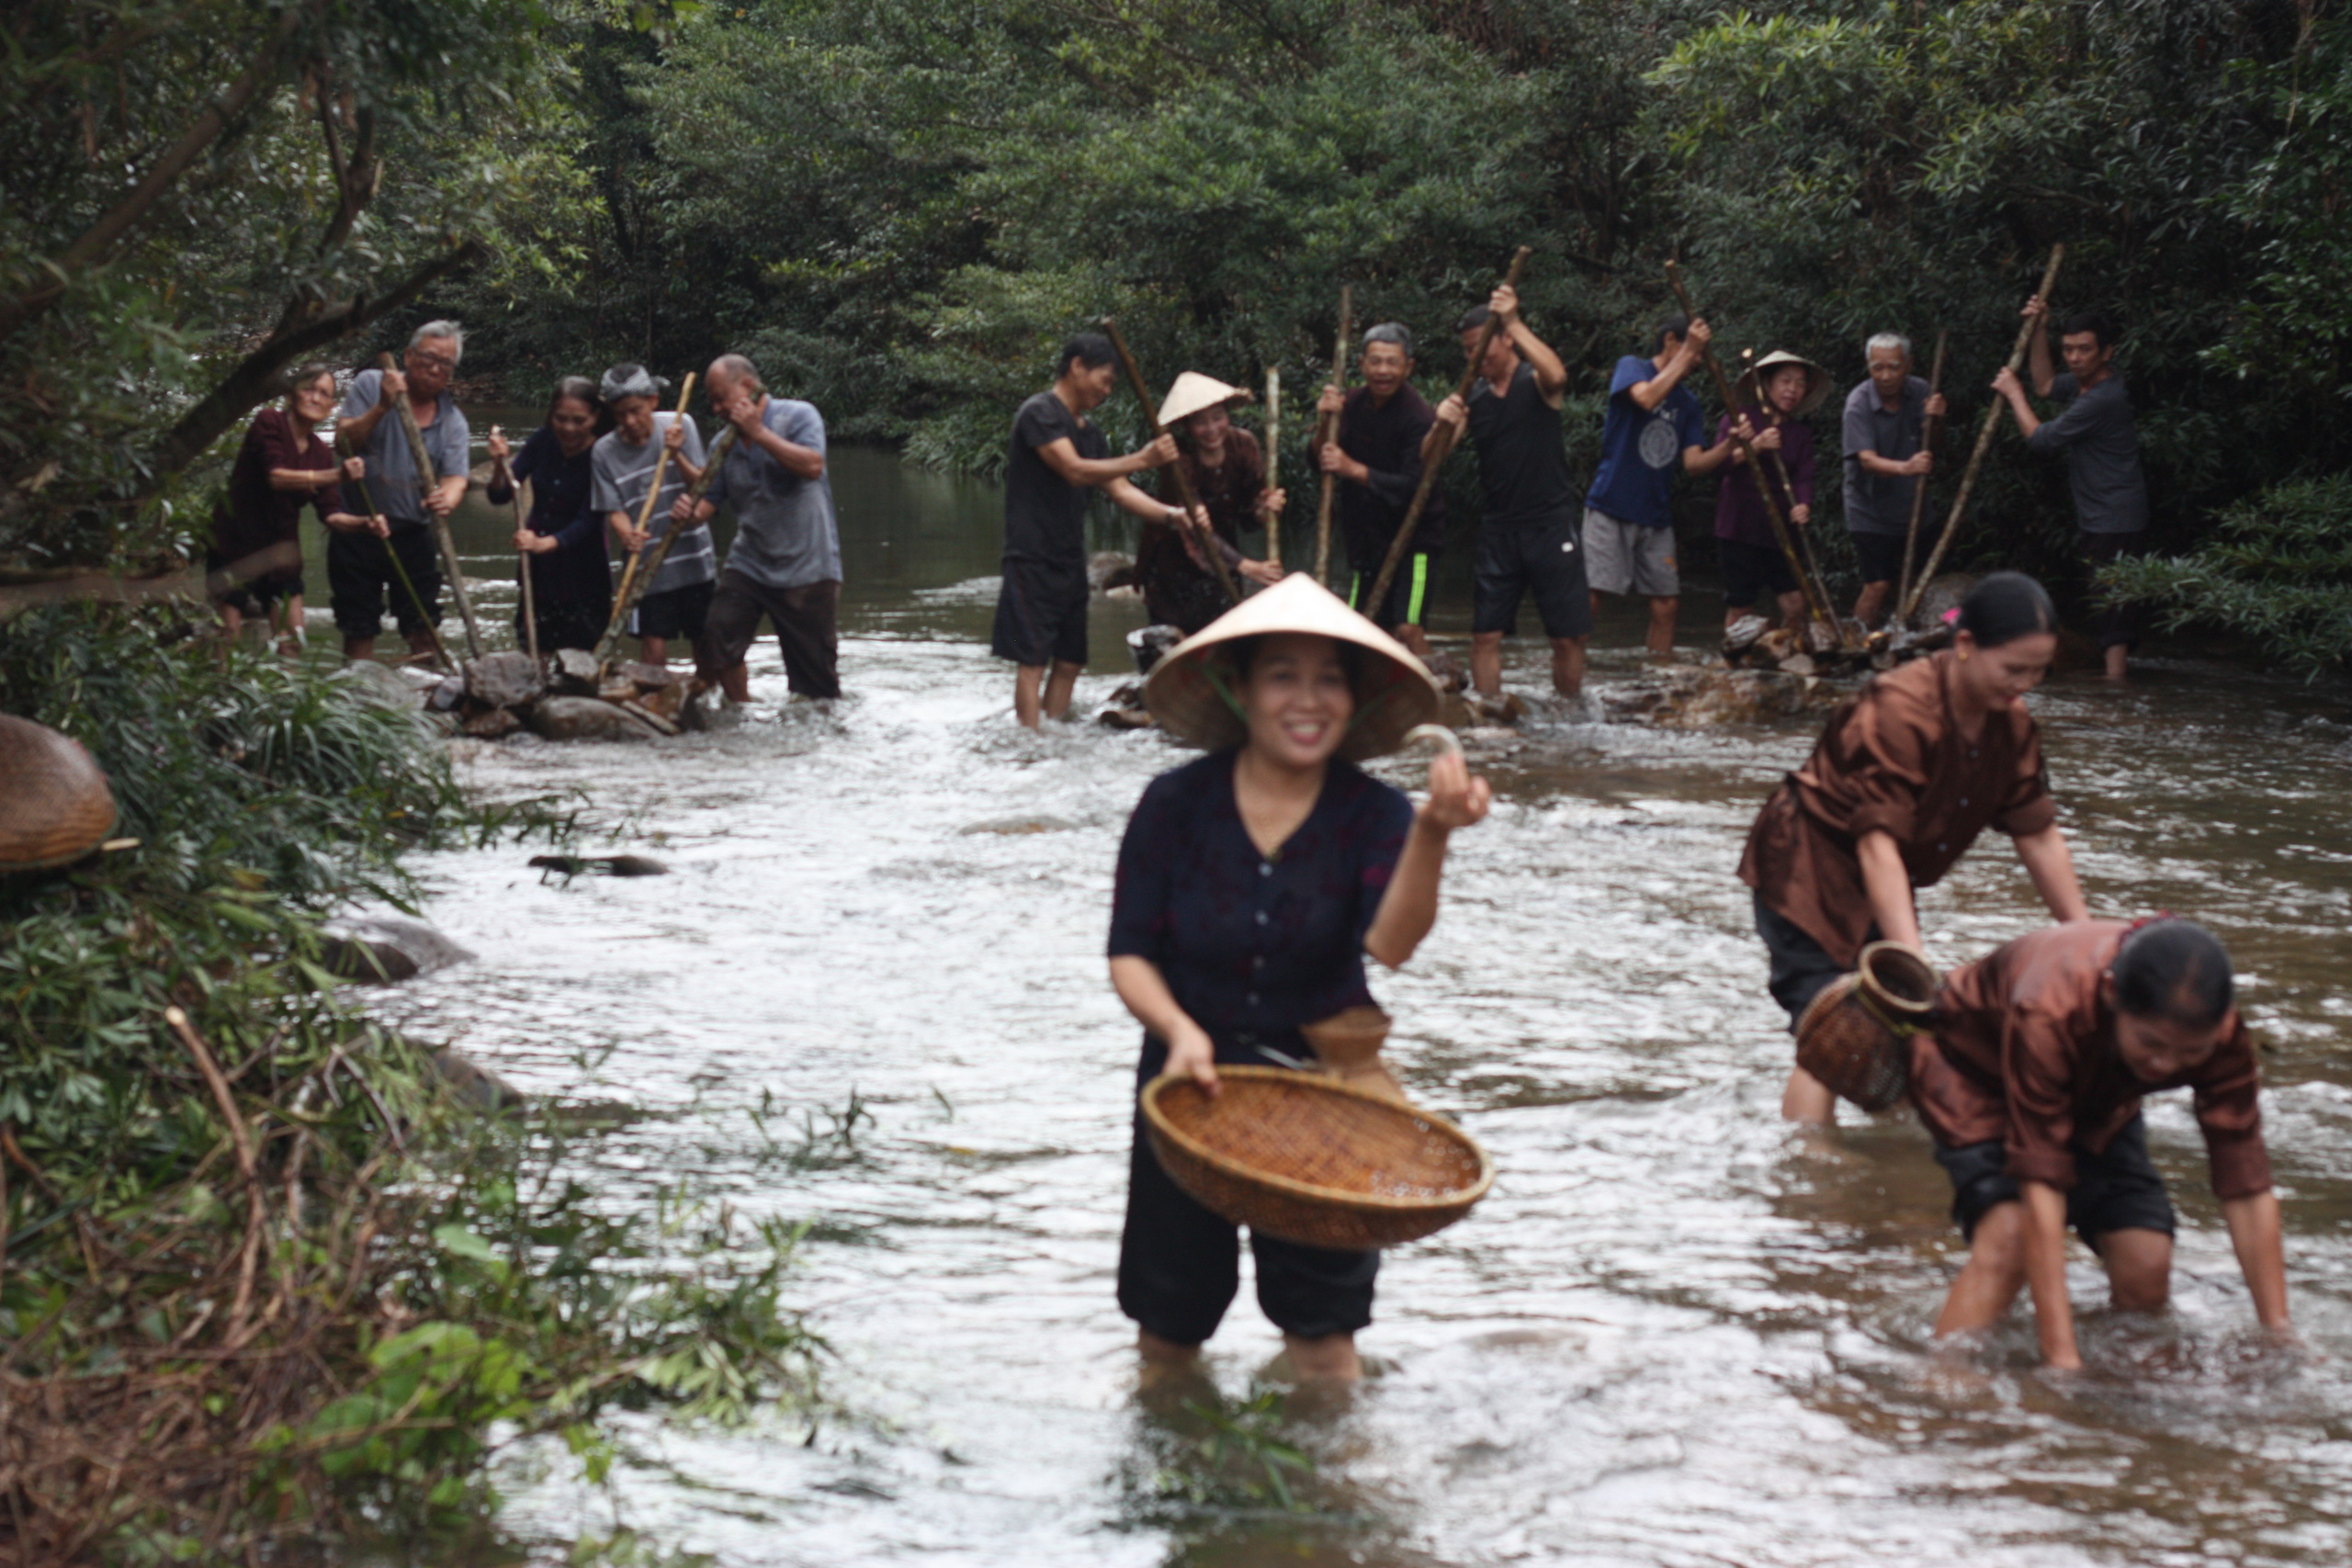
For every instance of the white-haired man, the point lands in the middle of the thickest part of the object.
(361, 575)
(1886, 457)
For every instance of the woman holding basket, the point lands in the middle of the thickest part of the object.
(1252, 884)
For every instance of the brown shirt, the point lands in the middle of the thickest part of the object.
(255, 516)
(1891, 760)
(2024, 1052)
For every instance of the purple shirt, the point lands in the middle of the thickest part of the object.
(1739, 510)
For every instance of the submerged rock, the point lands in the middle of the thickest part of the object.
(576, 671)
(382, 686)
(1695, 698)
(378, 948)
(586, 718)
(709, 712)
(490, 724)
(474, 1084)
(505, 680)
(604, 865)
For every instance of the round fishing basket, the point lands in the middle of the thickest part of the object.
(1855, 1035)
(55, 805)
(1314, 1160)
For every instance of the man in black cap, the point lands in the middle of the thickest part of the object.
(1378, 459)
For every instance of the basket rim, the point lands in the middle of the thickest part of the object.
(1333, 1195)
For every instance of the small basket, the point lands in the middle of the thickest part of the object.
(1314, 1160)
(55, 805)
(1347, 1045)
(1853, 1036)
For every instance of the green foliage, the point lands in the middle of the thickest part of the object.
(2277, 571)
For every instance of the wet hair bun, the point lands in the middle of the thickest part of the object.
(2175, 970)
(2006, 606)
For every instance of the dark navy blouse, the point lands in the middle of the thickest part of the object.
(576, 573)
(1252, 945)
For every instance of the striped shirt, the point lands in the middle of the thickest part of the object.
(622, 473)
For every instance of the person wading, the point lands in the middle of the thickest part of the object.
(1377, 456)
(254, 565)
(1883, 430)
(1906, 775)
(360, 575)
(1252, 884)
(2102, 448)
(1228, 470)
(1527, 530)
(1056, 457)
(2030, 1085)
(1776, 396)
(785, 562)
(563, 539)
(677, 602)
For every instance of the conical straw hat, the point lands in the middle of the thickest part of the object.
(1817, 381)
(55, 803)
(1393, 692)
(1193, 392)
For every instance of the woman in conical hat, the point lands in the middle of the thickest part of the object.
(1252, 884)
(1775, 395)
(1228, 470)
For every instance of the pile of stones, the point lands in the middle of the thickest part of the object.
(563, 697)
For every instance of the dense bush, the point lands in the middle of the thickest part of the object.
(2277, 571)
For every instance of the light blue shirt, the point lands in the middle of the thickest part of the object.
(786, 534)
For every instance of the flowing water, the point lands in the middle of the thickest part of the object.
(1675, 1333)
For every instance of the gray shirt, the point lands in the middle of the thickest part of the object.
(1880, 504)
(786, 535)
(392, 471)
(2102, 451)
(622, 473)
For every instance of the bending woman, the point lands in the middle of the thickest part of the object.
(572, 585)
(1252, 884)
(1903, 778)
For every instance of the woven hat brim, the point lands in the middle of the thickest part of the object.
(1394, 692)
(1817, 381)
(1193, 392)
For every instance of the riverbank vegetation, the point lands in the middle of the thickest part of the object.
(262, 1276)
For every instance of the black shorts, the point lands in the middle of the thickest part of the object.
(806, 622)
(674, 612)
(360, 580)
(1800, 965)
(1881, 555)
(1040, 616)
(1548, 558)
(1408, 593)
(1179, 1265)
(2114, 1190)
(2120, 625)
(1751, 571)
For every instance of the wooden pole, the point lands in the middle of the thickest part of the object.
(1184, 497)
(423, 613)
(1327, 430)
(433, 520)
(653, 493)
(1813, 597)
(1985, 437)
(1275, 459)
(632, 591)
(1421, 492)
(1929, 428)
(523, 560)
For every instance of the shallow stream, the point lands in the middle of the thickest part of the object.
(1676, 1334)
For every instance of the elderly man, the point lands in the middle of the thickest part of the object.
(1886, 456)
(361, 571)
(1378, 455)
(785, 562)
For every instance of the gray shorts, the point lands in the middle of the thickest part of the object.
(1629, 557)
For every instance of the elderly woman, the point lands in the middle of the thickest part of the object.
(1252, 884)
(563, 539)
(1228, 471)
(1777, 395)
(1905, 777)
(254, 565)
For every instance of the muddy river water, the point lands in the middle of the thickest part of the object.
(1675, 1335)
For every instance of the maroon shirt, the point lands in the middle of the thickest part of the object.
(2024, 1053)
(253, 516)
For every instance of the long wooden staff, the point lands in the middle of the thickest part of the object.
(1929, 428)
(434, 520)
(1184, 496)
(523, 560)
(423, 616)
(645, 513)
(633, 591)
(1327, 430)
(1984, 436)
(1444, 449)
(1813, 598)
(1275, 459)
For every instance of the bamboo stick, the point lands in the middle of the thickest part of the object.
(434, 520)
(1930, 427)
(530, 595)
(720, 446)
(1274, 460)
(1444, 449)
(1985, 437)
(1184, 497)
(1327, 430)
(653, 493)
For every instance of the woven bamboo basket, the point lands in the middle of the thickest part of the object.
(55, 805)
(1347, 1045)
(1314, 1160)
(1854, 1036)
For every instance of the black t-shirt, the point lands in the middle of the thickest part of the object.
(1045, 515)
(1523, 461)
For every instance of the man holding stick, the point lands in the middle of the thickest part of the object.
(785, 562)
(1886, 457)
(1377, 459)
(2102, 450)
(360, 568)
(1527, 533)
(1057, 455)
